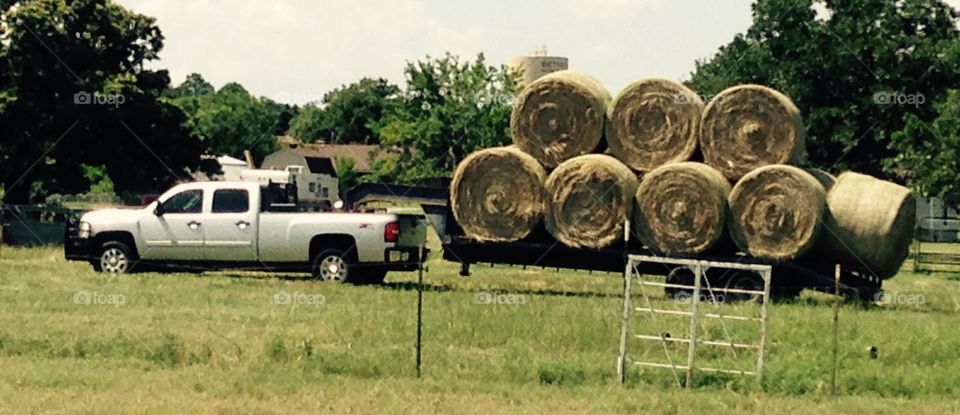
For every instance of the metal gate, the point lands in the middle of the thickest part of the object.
(695, 313)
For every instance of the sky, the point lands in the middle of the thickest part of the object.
(293, 51)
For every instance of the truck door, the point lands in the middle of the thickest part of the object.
(230, 226)
(177, 233)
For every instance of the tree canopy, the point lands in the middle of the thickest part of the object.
(857, 72)
(74, 92)
(448, 109)
(348, 114)
(231, 120)
(930, 151)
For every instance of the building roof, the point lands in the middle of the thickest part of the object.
(361, 154)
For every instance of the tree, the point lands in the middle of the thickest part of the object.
(347, 176)
(193, 86)
(310, 124)
(448, 109)
(348, 114)
(230, 120)
(74, 91)
(929, 153)
(852, 73)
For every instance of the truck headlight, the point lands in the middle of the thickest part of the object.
(84, 230)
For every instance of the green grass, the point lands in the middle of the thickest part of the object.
(218, 343)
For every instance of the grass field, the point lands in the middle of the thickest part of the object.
(505, 340)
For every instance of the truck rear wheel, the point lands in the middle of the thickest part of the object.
(331, 265)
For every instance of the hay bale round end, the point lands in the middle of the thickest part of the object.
(653, 122)
(871, 222)
(590, 198)
(681, 208)
(776, 212)
(497, 194)
(749, 126)
(559, 116)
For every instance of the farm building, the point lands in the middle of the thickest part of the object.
(320, 158)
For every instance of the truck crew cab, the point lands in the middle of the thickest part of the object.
(220, 225)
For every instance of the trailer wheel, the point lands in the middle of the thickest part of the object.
(744, 280)
(681, 276)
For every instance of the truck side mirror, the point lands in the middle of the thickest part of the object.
(158, 211)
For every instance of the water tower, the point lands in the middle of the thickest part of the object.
(536, 64)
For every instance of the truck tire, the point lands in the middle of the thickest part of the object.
(114, 257)
(332, 265)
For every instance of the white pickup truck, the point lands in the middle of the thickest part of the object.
(219, 225)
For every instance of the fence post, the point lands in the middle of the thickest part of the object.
(694, 322)
(419, 306)
(625, 317)
(836, 328)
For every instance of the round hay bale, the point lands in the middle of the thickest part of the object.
(653, 122)
(871, 222)
(497, 194)
(681, 208)
(750, 126)
(589, 199)
(559, 116)
(776, 212)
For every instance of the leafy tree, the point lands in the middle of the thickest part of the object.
(99, 179)
(193, 86)
(348, 114)
(448, 109)
(231, 120)
(74, 91)
(310, 124)
(929, 153)
(347, 176)
(843, 70)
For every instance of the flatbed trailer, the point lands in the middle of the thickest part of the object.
(539, 249)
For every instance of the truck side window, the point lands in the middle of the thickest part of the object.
(313, 187)
(187, 201)
(231, 201)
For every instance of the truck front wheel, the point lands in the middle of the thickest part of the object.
(331, 265)
(114, 257)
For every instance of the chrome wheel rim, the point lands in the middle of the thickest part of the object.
(333, 268)
(114, 261)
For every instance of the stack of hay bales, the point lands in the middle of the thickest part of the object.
(724, 171)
